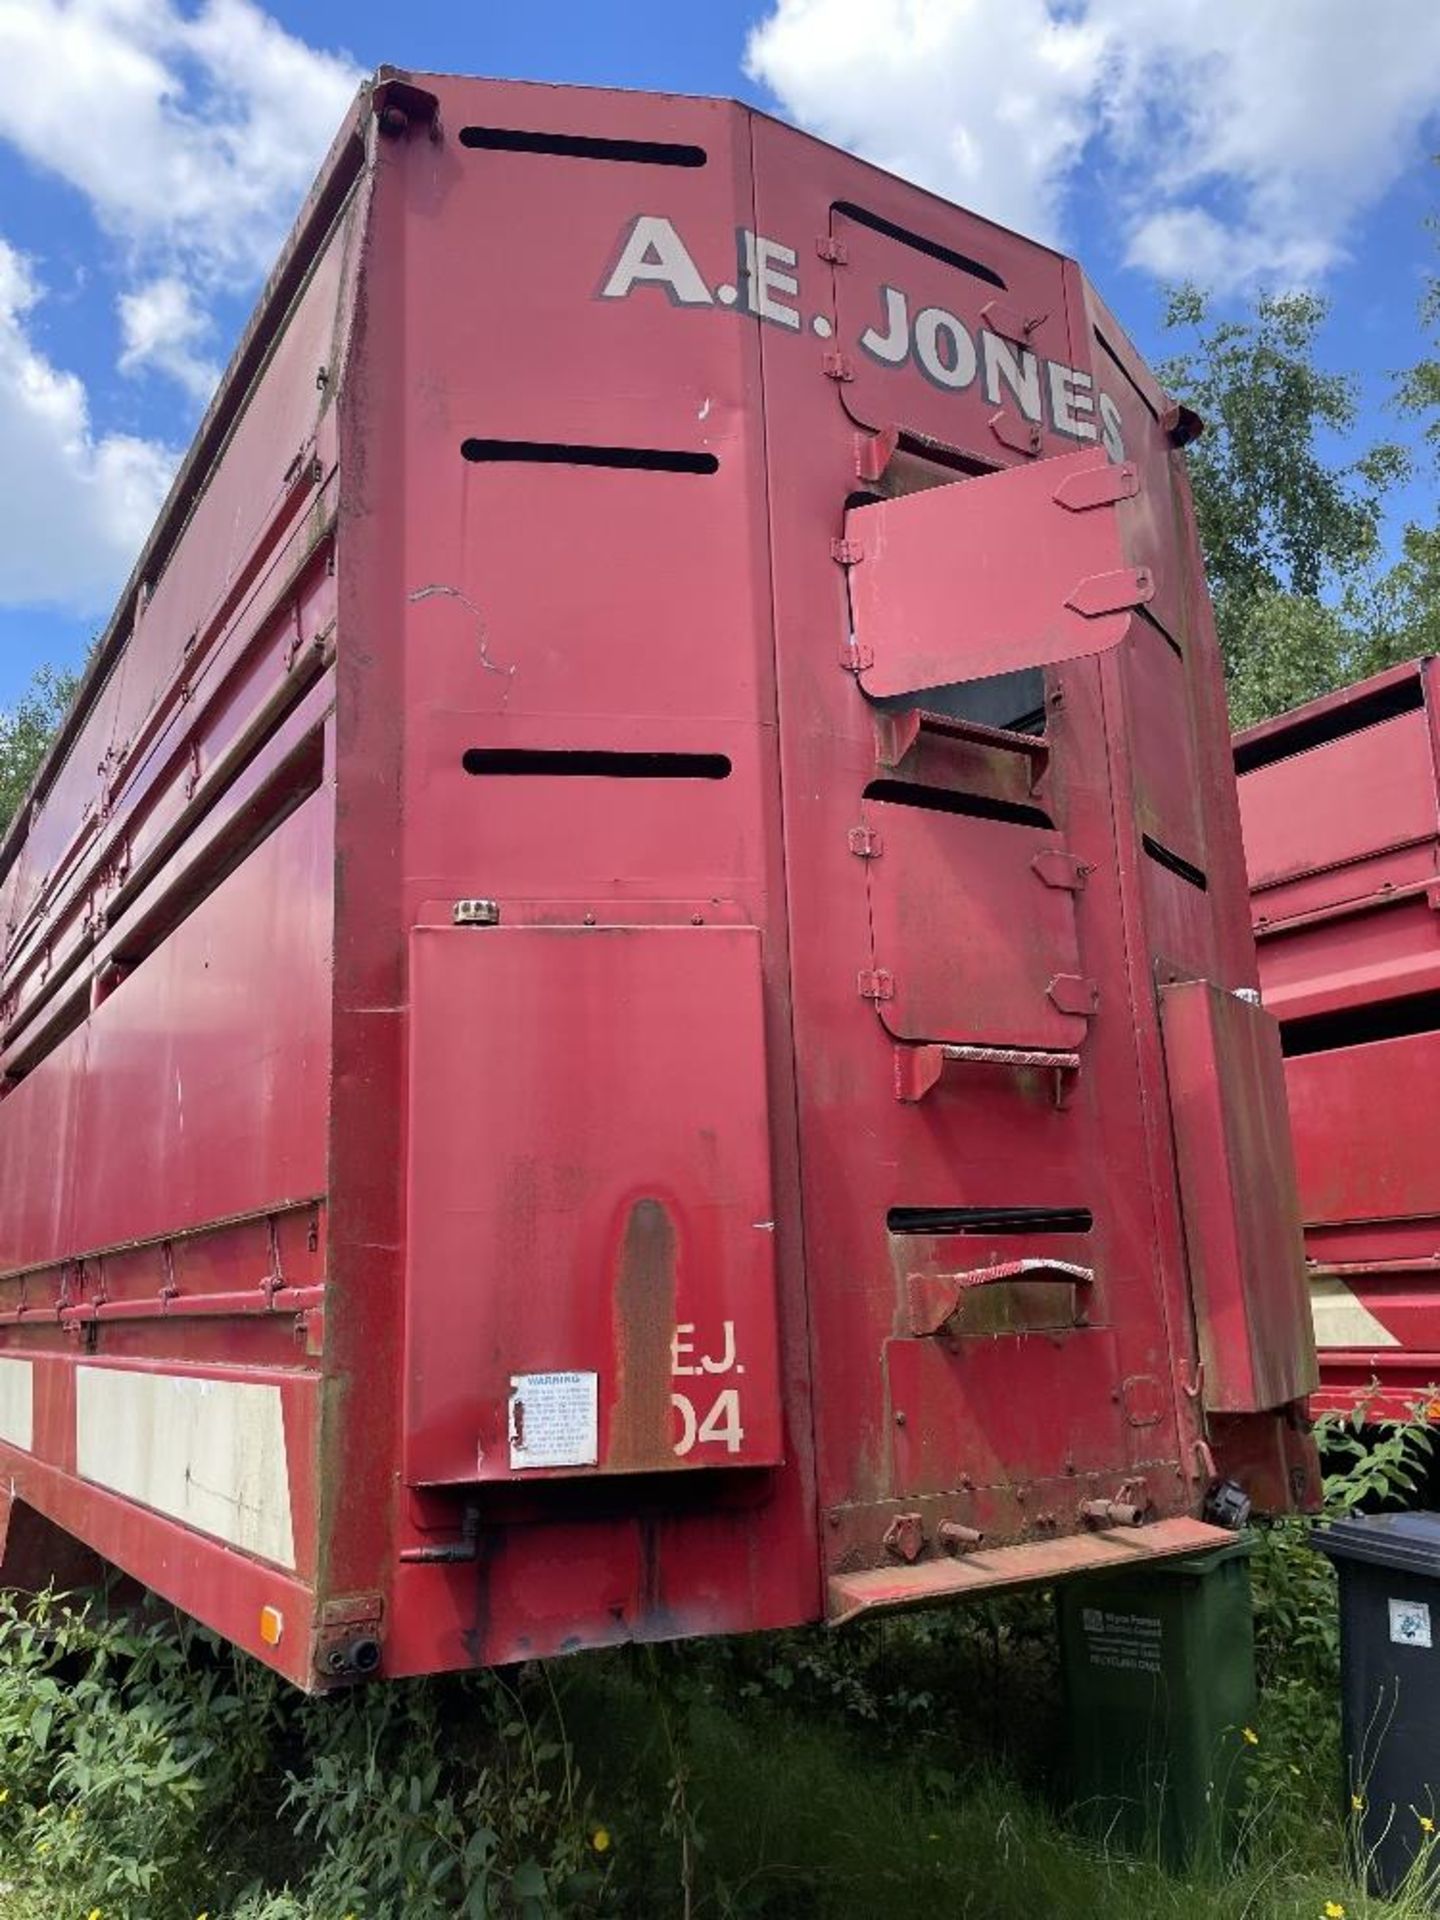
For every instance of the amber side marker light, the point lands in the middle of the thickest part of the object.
(272, 1625)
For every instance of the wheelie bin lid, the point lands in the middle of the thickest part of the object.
(1410, 1541)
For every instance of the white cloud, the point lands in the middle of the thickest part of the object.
(1249, 137)
(192, 136)
(77, 504)
(192, 131)
(162, 327)
(988, 101)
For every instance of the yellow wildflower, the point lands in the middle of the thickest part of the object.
(1252, 1739)
(4, 1795)
(600, 1840)
(1357, 1803)
(1427, 1825)
(1334, 1910)
(94, 1914)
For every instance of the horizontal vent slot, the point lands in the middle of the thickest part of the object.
(1357, 1026)
(583, 146)
(1314, 730)
(917, 242)
(977, 806)
(595, 763)
(1174, 863)
(910, 1220)
(554, 453)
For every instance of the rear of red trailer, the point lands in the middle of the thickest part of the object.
(627, 1004)
(1342, 837)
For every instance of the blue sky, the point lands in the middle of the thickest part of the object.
(153, 152)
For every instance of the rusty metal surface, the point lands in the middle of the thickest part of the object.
(603, 1201)
(1035, 1563)
(1237, 1186)
(541, 1272)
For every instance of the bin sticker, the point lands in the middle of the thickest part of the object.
(1128, 1642)
(554, 1420)
(1410, 1623)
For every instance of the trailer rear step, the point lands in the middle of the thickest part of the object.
(853, 1596)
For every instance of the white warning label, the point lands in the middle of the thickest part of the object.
(1410, 1623)
(1126, 1642)
(554, 1420)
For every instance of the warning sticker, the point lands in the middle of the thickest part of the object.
(1410, 1623)
(1126, 1642)
(554, 1420)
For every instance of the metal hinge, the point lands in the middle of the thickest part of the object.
(1097, 487)
(1102, 593)
(837, 366)
(829, 248)
(1072, 993)
(1060, 869)
(876, 984)
(847, 553)
(1011, 431)
(1002, 318)
(865, 843)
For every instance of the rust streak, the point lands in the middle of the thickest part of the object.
(644, 1330)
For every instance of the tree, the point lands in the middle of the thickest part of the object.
(1291, 535)
(26, 732)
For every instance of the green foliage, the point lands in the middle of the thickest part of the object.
(442, 1802)
(155, 1773)
(1277, 514)
(26, 732)
(1297, 1765)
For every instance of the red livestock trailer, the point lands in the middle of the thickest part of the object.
(628, 1008)
(1342, 835)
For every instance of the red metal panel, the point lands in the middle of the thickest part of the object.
(193, 1106)
(1023, 569)
(1363, 1143)
(37, 1159)
(978, 946)
(590, 1204)
(1168, 788)
(944, 324)
(1300, 821)
(1237, 1184)
(1339, 804)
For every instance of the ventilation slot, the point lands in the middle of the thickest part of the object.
(1012, 702)
(1283, 741)
(1121, 369)
(917, 242)
(553, 453)
(976, 806)
(1173, 863)
(583, 146)
(1356, 1026)
(595, 763)
(972, 1220)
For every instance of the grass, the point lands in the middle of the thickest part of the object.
(747, 1782)
(149, 1773)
